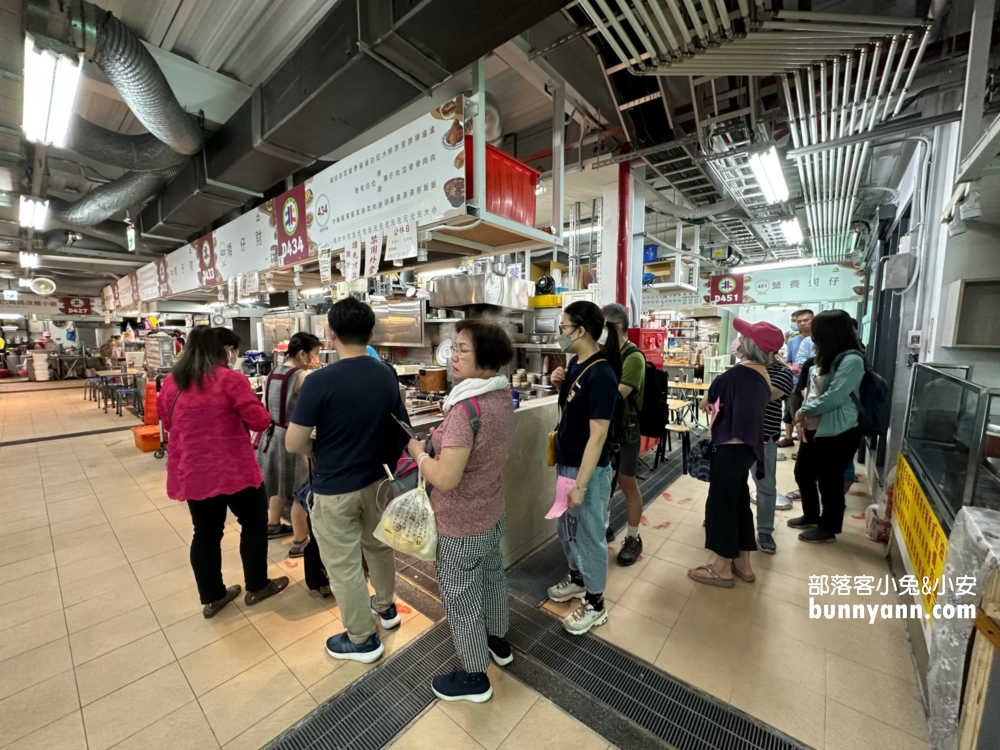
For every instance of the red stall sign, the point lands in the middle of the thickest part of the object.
(726, 289)
(293, 241)
(75, 306)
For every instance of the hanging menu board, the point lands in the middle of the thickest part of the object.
(374, 255)
(401, 242)
(416, 174)
(352, 260)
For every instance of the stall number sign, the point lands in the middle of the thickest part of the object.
(75, 306)
(401, 242)
(925, 540)
(726, 289)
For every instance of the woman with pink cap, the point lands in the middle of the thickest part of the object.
(738, 398)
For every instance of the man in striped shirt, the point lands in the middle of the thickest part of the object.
(766, 497)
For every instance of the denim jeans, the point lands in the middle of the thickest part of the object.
(581, 529)
(767, 488)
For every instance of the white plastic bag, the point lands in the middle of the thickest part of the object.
(408, 524)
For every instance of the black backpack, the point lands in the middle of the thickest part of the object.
(653, 414)
(873, 401)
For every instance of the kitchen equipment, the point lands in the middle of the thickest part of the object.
(399, 323)
(481, 289)
(545, 381)
(545, 285)
(444, 352)
(433, 379)
(538, 339)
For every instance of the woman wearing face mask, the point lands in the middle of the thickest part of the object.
(230, 341)
(588, 397)
(468, 500)
(284, 471)
(739, 397)
(207, 408)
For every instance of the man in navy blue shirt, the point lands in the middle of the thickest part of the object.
(351, 405)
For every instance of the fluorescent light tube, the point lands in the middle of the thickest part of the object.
(50, 85)
(33, 212)
(792, 231)
(767, 169)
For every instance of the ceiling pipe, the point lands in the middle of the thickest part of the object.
(893, 128)
(688, 214)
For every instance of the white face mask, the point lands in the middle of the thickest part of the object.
(604, 338)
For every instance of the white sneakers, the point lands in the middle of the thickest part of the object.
(566, 590)
(584, 617)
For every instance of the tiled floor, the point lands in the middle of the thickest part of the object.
(102, 643)
(33, 410)
(838, 685)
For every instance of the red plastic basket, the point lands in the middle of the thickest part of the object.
(510, 184)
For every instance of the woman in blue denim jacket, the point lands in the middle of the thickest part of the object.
(828, 426)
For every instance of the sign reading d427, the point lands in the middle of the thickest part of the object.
(75, 306)
(726, 289)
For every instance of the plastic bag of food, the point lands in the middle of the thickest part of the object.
(408, 524)
(884, 501)
(877, 528)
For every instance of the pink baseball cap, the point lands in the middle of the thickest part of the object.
(766, 336)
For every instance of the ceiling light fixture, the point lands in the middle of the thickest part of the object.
(29, 260)
(50, 85)
(792, 231)
(767, 169)
(779, 266)
(33, 212)
(25, 283)
(539, 187)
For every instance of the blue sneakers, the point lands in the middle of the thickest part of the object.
(388, 619)
(463, 686)
(500, 650)
(341, 647)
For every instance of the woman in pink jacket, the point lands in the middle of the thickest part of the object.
(208, 410)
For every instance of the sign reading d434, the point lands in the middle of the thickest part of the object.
(726, 289)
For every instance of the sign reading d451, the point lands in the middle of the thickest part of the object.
(726, 289)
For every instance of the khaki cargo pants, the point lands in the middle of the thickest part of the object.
(343, 526)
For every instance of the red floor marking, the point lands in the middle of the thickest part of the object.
(639, 558)
(666, 495)
(403, 609)
(687, 500)
(643, 521)
(859, 517)
(663, 525)
(859, 493)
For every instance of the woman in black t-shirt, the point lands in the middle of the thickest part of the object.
(588, 397)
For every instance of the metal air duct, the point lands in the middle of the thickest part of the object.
(143, 153)
(105, 201)
(350, 72)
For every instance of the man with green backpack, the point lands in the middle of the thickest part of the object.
(629, 437)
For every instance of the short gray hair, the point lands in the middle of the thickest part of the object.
(754, 353)
(615, 313)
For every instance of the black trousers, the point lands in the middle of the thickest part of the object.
(819, 471)
(729, 525)
(209, 517)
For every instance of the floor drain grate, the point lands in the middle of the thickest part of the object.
(533, 576)
(667, 708)
(371, 712)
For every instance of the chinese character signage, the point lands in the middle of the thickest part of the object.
(374, 255)
(925, 540)
(726, 289)
(208, 266)
(401, 242)
(833, 282)
(149, 288)
(415, 175)
(29, 303)
(352, 260)
(325, 268)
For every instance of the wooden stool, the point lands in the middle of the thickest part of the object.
(685, 434)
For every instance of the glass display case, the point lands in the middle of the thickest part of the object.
(952, 440)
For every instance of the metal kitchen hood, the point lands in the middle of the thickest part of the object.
(350, 73)
(480, 289)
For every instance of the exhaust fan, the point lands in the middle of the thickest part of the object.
(42, 286)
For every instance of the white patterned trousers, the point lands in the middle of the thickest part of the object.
(474, 592)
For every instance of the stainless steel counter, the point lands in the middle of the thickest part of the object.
(529, 484)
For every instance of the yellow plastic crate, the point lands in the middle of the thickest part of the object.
(545, 300)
